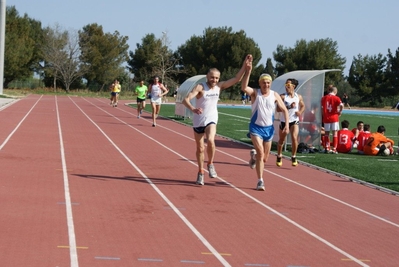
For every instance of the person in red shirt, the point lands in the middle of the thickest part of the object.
(362, 138)
(378, 142)
(356, 131)
(332, 108)
(345, 138)
(311, 126)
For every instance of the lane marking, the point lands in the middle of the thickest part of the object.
(72, 203)
(194, 262)
(69, 247)
(146, 259)
(210, 253)
(149, 181)
(169, 208)
(73, 254)
(359, 260)
(244, 193)
(9, 104)
(19, 124)
(107, 258)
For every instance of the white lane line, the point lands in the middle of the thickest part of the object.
(283, 177)
(175, 209)
(304, 229)
(9, 104)
(19, 124)
(73, 254)
(239, 190)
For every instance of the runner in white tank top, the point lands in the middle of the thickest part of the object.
(208, 103)
(157, 90)
(261, 129)
(294, 103)
(263, 109)
(205, 116)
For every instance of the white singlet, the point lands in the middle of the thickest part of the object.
(156, 91)
(288, 100)
(263, 109)
(208, 103)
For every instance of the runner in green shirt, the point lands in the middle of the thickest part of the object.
(141, 91)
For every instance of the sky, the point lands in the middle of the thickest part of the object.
(360, 27)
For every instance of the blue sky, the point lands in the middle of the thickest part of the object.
(365, 27)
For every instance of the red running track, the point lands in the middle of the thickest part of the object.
(86, 184)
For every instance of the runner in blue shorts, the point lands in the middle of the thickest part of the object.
(261, 128)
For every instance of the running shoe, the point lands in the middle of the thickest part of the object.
(141, 111)
(212, 171)
(260, 186)
(279, 161)
(154, 125)
(200, 179)
(294, 161)
(252, 161)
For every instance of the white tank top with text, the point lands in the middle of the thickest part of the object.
(208, 103)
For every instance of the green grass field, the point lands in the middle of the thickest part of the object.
(377, 170)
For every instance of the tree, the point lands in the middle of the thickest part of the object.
(22, 46)
(269, 68)
(54, 42)
(102, 54)
(154, 58)
(220, 48)
(61, 54)
(367, 76)
(314, 55)
(392, 73)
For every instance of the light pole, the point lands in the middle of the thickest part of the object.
(163, 54)
(2, 41)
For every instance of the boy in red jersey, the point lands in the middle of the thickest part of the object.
(356, 131)
(332, 107)
(345, 138)
(362, 138)
(377, 143)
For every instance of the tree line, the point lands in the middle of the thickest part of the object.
(91, 58)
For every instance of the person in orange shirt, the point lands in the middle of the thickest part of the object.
(378, 142)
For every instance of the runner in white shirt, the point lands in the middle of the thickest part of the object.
(157, 90)
(206, 116)
(261, 129)
(295, 105)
